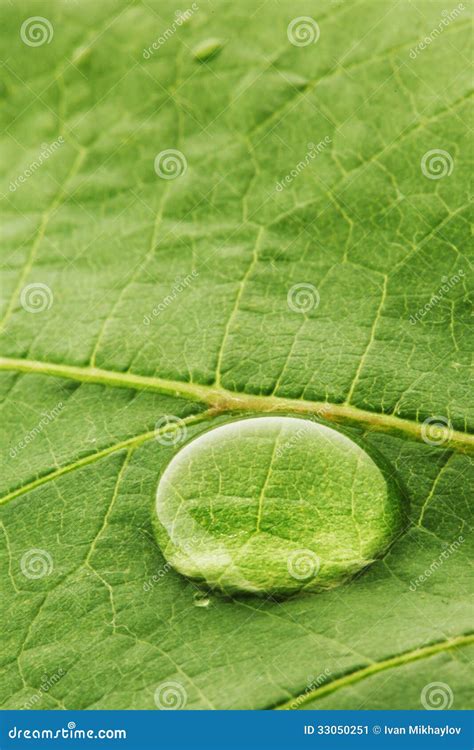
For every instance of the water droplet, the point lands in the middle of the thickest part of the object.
(275, 505)
(200, 600)
(207, 49)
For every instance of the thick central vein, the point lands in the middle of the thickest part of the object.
(222, 400)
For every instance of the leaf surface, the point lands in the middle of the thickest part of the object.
(217, 294)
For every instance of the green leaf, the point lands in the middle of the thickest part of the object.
(280, 228)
